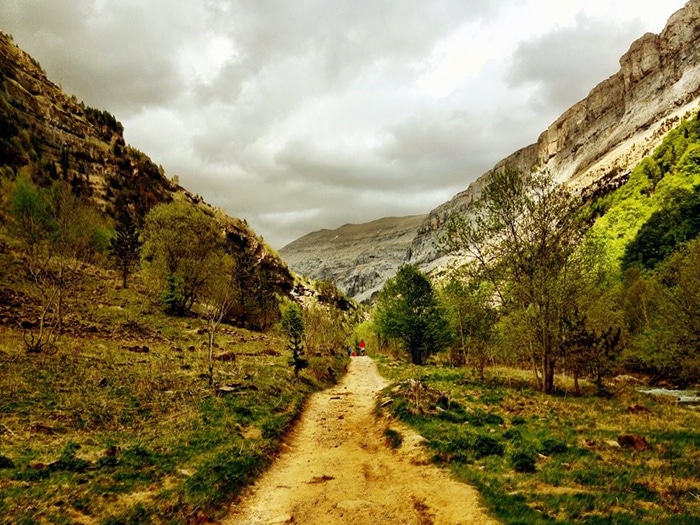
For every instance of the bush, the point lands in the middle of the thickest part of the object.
(487, 446)
(523, 461)
(393, 438)
(553, 446)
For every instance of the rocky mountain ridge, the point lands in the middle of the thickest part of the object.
(621, 121)
(373, 250)
(51, 136)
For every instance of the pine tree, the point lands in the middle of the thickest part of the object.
(125, 246)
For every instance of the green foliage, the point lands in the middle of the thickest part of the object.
(677, 222)
(181, 250)
(521, 237)
(653, 185)
(293, 324)
(393, 438)
(523, 461)
(552, 463)
(408, 311)
(125, 246)
(472, 319)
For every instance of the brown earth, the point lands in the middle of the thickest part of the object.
(338, 469)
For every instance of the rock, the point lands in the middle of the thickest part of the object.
(354, 504)
(637, 442)
(611, 443)
(592, 145)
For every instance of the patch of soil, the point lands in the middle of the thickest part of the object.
(338, 469)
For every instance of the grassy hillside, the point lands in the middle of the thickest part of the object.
(656, 185)
(116, 422)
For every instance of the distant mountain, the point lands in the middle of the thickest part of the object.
(358, 258)
(601, 137)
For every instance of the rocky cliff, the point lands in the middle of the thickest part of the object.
(620, 121)
(51, 136)
(358, 258)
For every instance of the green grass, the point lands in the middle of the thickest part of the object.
(541, 459)
(94, 432)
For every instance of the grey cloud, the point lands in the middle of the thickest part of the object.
(566, 64)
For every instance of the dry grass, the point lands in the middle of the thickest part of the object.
(117, 424)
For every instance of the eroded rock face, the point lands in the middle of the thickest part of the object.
(620, 121)
(357, 258)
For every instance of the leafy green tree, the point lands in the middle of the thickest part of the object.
(666, 230)
(408, 311)
(473, 319)
(55, 230)
(667, 342)
(519, 236)
(217, 299)
(181, 249)
(293, 324)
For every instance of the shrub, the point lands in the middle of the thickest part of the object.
(553, 446)
(487, 446)
(523, 461)
(393, 438)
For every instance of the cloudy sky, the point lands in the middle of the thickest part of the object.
(299, 115)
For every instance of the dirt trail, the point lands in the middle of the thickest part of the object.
(337, 469)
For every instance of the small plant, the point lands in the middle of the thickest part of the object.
(293, 323)
(551, 447)
(485, 446)
(523, 461)
(393, 438)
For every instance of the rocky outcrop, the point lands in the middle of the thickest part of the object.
(620, 121)
(357, 258)
(54, 137)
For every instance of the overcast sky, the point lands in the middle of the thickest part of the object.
(299, 115)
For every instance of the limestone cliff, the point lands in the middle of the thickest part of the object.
(358, 258)
(620, 121)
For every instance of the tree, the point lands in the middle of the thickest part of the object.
(181, 248)
(217, 299)
(473, 318)
(125, 246)
(293, 323)
(519, 235)
(55, 229)
(408, 311)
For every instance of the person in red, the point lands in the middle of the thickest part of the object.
(362, 347)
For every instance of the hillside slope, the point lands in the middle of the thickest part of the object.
(620, 121)
(51, 136)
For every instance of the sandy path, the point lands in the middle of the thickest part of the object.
(337, 469)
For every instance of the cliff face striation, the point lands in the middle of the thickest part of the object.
(51, 136)
(357, 258)
(620, 121)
